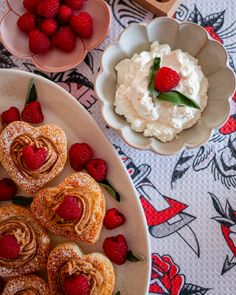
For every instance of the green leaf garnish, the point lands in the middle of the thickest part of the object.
(130, 256)
(22, 201)
(178, 98)
(154, 68)
(32, 93)
(117, 293)
(110, 190)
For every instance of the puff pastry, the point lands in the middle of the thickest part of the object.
(19, 134)
(33, 241)
(26, 285)
(67, 260)
(88, 195)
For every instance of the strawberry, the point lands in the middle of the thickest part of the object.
(31, 5)
(27, 22)
(49, 26)
(79, 155)
(70, 208)
(166, 79)
(113, 219)
(9, 247)
(34, 158)
(74, 4)
(64, 14)
(11, 115)
(116, 249)
(97, 168)
(32, 113)
(76, 285)
(48, 8)
(64, 39)
(8, 189)
(82, 24)
(38, 42)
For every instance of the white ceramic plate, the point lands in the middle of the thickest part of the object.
(61, 108)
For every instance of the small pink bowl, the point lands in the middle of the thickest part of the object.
(55, 60)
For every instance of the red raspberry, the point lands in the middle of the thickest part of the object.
(70, 208)
(27, 22)
(74, 4)
(32, 113)
(38, 42)
(48, 8)
(9, 247)
(31, 5)
(64, 14)
(64, 39)
(116, 249)
(11, 115)
(82, 24)
(76, 285)
(34, 158)
(113, 219)
(166, 79)
(8, 189)
(79, 155)
(97, 168)
(49, 26)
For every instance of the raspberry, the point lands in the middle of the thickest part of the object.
(11, 115)
(8, 189)
(166, 79)
(97, 168)
(48, 8)
(70, 208)
(113, 219)
(34, 158)
(76, 285)
(27, 22)
(116, 249)
(74, 4)
(31, 5)
(79, 155)
(82, 25)
(64, 14)
(9, 247)
(48, 26)
(32, 113)
(64, 39)
(38, 42)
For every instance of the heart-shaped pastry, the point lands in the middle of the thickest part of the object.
(68, 268)
(33, 156)
(74, 209)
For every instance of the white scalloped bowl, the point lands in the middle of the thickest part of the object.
(188, 37)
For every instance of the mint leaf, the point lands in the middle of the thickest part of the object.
(110, 190)
(23, 201)
(130, 256)
(32, 93)
(153, 69)
(178, 98)
(117, 293)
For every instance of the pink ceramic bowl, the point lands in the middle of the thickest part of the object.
(55, 60)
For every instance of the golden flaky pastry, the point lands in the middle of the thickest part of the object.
(88, 196)
(19, 134)
(26, 285)
(66, 261)
(31, 240)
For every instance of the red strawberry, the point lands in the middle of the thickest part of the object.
(64, 14)
(27, 22)
(11, 115)
(166, 79)
(9, 247)
(70, 208)
(113, 219)
(31, 5)
(74, 4)
(82, 24)
(97, 168)
(32, 113)
(38, 42)
(49, 26)
(8, 189)
(64, 39)
(116, 249)
(79, 155)
(48, 8)
(76, 285)
(34, 158)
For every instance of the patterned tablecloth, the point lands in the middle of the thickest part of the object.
(190, 198)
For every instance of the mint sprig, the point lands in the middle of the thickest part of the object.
(131, 257)
(32, 93)
(154, 68)
(108, 187)
(22, 200)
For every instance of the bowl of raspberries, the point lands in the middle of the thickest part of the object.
(55, 34)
